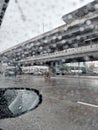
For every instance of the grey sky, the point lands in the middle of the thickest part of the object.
(15, 30)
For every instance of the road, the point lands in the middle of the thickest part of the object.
(69, 103)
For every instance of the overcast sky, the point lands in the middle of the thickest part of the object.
(20, 25)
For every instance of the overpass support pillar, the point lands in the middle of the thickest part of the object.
(52, 67)
(85, 67)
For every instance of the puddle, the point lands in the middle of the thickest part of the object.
(17, 101)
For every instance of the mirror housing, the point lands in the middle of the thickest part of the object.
(17, 101)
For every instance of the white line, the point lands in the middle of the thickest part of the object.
(87, 104)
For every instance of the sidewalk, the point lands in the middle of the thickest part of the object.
(76, 76)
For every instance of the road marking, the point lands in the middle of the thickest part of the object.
(87, 104)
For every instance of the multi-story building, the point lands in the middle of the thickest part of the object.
(80, 30)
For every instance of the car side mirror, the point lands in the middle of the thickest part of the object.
(17, 101)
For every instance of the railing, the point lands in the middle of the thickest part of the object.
(68, 52)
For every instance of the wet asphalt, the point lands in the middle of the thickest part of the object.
(69, 103)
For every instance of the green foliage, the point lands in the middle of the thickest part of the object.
(66, 67)
(84, 70)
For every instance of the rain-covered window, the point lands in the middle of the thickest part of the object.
(48, 64)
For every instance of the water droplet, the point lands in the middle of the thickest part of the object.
(81, 29)
(88, 22)
(96, 6)
(69, 16)
(59, 37)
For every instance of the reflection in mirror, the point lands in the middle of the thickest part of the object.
(17, 101)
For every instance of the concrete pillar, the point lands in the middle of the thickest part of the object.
(52, 67)
(78, 67)
(74, 68)
(85, 67)
(91, 43)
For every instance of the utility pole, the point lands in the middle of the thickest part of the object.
(43, 27)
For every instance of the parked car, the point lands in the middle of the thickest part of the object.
(59, 73)
(64, 72)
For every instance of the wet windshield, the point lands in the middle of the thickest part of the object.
(48, 61)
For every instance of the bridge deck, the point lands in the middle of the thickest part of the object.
(91, 50)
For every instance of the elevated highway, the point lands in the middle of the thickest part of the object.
(79, 54)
